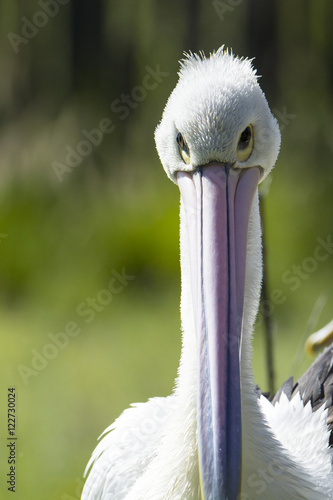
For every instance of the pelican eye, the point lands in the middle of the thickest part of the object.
(183, 148)
(245, 144)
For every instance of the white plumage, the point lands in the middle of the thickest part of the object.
(151, 451)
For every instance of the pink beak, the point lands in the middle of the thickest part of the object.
(218, 201)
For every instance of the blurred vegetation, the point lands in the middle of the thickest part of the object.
(61, 241)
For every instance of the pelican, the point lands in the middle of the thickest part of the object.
(217, 437)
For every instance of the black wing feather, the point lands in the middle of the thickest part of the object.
(315, 385)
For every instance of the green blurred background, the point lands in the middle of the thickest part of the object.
(64, 230)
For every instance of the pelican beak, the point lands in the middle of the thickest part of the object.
(217, 201)
(318, 340)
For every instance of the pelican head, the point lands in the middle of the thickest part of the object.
(217, 140)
